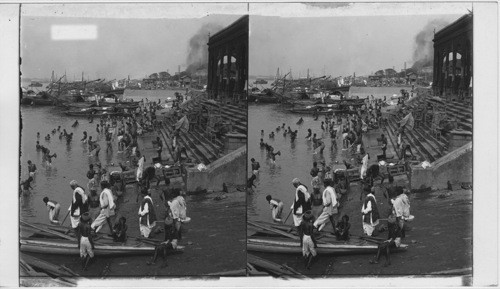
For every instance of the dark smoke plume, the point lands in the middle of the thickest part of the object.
(423, 55)
(198, 50)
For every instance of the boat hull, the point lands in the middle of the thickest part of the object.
(63, 247)
(321, 112)
(284, 246)
(96, 114)
(36, 101)
(266, 99)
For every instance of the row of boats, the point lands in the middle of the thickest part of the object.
(282, 239)
(265, 237)
(60, 240)
(91, 106)
(310, 106)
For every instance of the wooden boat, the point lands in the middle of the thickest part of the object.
(54, 240)
(264, 98)
(68, 247)
(288, 243)
(268, 96)
(90, 104)
(47, 267)
(288, 246)
(260, 81)
(256, 265)
(29, 277)
(38, 101)
(320, 110)
(35, 84)
(97, 112)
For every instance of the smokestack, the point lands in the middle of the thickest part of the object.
(179, 69)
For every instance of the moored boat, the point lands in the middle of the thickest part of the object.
(68, 247)
(38, 101)
(288, 246)
(97, 112)
(260, 81)
(320, 110)
(280, 238)
(264, 98)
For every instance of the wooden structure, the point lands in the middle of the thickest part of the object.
(452, 77)
(228, 62)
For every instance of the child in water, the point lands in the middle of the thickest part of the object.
(26, 185)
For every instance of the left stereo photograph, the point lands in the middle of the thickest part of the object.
(133, 141)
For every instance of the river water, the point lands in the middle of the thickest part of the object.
(72, 159)
(295, 161)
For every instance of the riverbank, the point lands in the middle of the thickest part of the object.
(214, 240)
(440, 238)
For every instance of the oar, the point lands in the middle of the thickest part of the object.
(274, 230)
(288, 216)
(48, 231)
(65, 218)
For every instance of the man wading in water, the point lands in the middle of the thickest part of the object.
(276, 208)
(54, 209)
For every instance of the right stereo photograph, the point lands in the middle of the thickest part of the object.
(360, 139)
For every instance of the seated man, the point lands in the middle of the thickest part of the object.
(120, 230)
(169, 243)
(393, 241)
(342, 232)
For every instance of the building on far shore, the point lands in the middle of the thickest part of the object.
(452, 77)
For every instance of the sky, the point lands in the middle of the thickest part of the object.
(339, 44)
(118, 44)
(139, 39)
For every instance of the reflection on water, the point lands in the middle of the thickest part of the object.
(295, 161)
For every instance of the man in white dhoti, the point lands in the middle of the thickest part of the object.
(330, 207)
(107, 205)
(364, 166)
(79, 204)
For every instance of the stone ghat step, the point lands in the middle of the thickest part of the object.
(417, 148)
(216, 144)
(238, 119)
(462, 106)
(231, 111)
(169, 136)
(393, 139)
(192, 154)
(428, 146)
(464, 120)
(167, 144)
(424, 132)
(455, 107)
(200, 153)
(206, 147)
